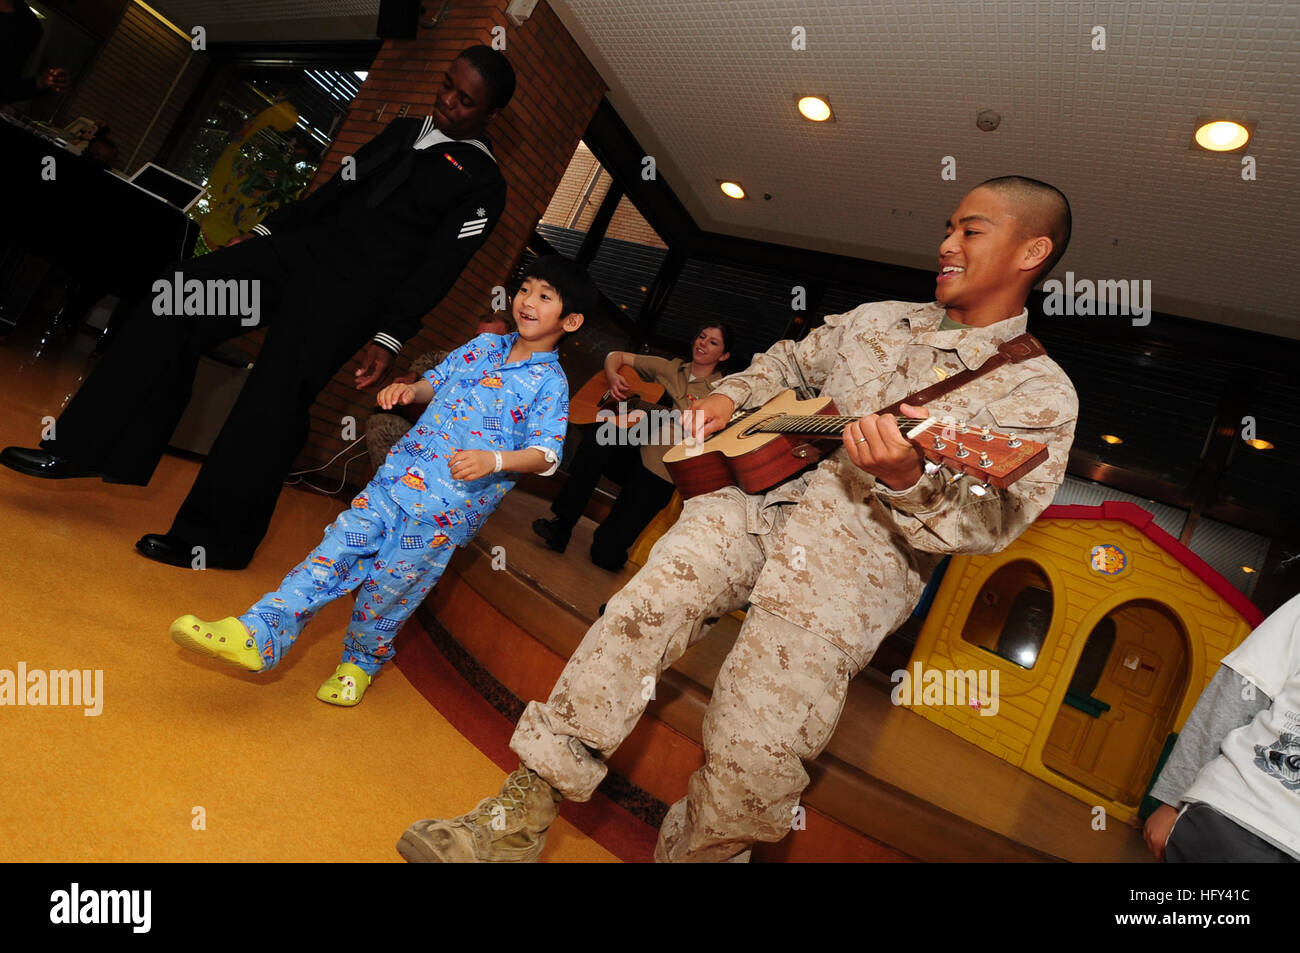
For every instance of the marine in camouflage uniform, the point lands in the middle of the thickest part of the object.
(830, 561)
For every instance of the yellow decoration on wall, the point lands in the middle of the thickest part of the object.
(232, 209)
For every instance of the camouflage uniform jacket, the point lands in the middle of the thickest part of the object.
(851, 543)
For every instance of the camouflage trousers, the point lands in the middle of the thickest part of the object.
(776, 702)
(382, 431)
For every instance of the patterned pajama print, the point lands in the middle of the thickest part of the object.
(395, 540)
(393, 558)
(386, 428)
(830, 561)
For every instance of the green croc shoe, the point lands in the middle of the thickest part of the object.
(345, 687)
(226, 640)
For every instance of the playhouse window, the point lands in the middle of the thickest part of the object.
(1012, 613)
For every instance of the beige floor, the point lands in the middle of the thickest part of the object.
(267, 772)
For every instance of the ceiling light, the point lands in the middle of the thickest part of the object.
(816, 108)
(1259, 444)
(1221, 135)
(732, 190)
(1247, 569)
(1111, 438)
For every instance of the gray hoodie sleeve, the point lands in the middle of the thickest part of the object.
(1220, 709)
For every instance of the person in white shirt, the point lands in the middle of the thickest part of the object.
(1231, 786)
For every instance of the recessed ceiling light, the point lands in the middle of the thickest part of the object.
(1111, 438)
(1259, 444)
(1221, 135)
(732, 190)
(816, 108)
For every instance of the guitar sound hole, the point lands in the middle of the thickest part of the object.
(750, 431)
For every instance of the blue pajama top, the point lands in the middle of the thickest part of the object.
(480, 402)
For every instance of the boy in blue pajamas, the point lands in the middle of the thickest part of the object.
(496, 407)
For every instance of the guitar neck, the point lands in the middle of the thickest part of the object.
(826, 425)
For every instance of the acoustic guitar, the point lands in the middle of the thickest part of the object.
(593, 403)
(764, 447)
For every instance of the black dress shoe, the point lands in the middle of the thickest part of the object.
(551, 533)
(607, 561)
(175, 551)
(39, 463)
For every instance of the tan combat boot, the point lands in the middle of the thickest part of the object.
(508, 828)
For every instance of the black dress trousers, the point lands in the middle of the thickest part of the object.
(125, 412)
(641, 494)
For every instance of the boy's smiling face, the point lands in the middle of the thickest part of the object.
(539, 312)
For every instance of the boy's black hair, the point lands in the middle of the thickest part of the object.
(578, 295)
(498, 75)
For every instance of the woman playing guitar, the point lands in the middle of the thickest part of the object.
(644, 485)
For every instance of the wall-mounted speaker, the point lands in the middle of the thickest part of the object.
(398, 19)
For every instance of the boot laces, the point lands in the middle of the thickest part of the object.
(513, 797)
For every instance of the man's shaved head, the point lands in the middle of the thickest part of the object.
(1040, 208)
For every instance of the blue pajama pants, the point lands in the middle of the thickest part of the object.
(394, 558)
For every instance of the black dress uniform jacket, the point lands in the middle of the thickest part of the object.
(361, 259)
(413, 217)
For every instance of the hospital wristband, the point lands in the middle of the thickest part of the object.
(497, 456)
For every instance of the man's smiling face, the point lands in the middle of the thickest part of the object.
(982, 252)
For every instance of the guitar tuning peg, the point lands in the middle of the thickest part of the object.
(984, 460)
(931, 467)
(985, 435)
(1012, 440)
(961, 451)
(938, 443)
(979, 489)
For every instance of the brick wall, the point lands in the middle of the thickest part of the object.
(534, 138)
(628, 225)
(142, 63)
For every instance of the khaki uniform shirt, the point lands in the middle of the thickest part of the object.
(675, 375)
(853, 549)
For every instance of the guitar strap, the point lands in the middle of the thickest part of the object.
(1015, 351)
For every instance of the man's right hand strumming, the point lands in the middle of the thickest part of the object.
(708, 415)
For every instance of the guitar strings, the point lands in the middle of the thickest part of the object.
(829, 423)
